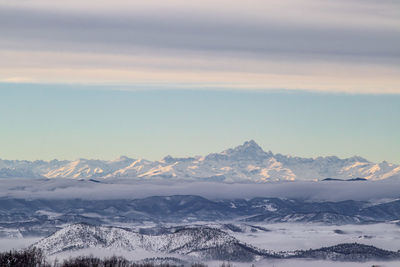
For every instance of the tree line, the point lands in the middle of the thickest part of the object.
(34, 257)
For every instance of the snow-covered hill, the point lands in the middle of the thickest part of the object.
(244, 163)
(197, 242)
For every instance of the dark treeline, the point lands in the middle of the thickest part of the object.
(28, 257)
(35, 258)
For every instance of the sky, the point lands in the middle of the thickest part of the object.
(150, 78)
(70, 122)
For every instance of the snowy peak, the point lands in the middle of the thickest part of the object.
(250, 150)
(82, 168)
(250, 145)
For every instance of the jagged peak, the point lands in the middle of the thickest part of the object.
(250, 144)
(247, 147)
(248, 150)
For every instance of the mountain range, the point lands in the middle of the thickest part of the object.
(41, 217)
(245, 163)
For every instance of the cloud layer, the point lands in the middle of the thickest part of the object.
(347, 46)
(132, 189)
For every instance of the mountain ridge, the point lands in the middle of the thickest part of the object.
(200, 242)
(244, 163)
(42, 216)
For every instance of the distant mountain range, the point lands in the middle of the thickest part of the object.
(41, 217)
(244, 163)
(195, 242)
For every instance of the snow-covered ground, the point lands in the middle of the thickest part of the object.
(308, 263)
(136, 255)
(287, 236)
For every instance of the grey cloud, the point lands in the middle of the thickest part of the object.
(130, 188)
(198, 33)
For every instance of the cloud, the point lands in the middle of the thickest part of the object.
(132, 188)
(347, 46)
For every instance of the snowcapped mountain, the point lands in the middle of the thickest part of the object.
(197, 242)
(245, 163)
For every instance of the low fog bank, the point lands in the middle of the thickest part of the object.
(61, 188)
(303, 236)
(7, 244)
